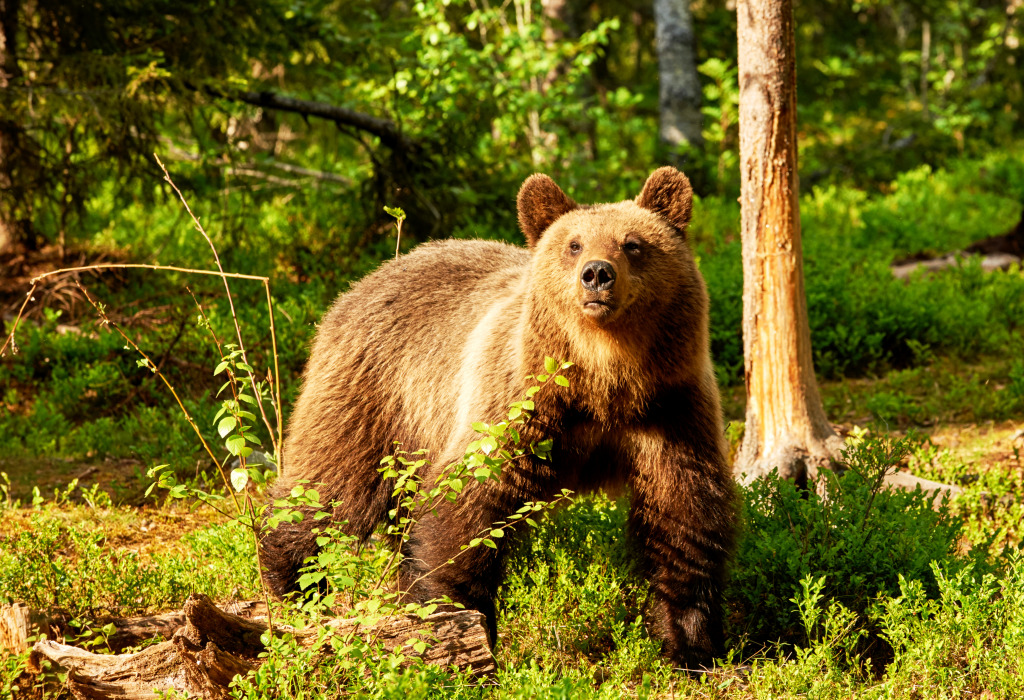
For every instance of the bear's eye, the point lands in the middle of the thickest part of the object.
(575, 247)
(631, 247)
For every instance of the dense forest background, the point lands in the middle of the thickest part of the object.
(291, 125)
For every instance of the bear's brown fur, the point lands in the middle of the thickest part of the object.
(447, 334)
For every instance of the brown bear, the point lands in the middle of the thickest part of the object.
(447, 335)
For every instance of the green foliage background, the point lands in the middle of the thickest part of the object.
(445, 107)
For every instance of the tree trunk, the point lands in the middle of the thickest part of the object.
(786, 426)
(556, 20)
(679, 82)
(9, 131)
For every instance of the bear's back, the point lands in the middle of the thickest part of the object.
(388, 356)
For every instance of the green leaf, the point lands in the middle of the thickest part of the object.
(236, 446)
(561, 381)
(550, 365)
(220, 368)
(396, 212)
(498, 534)
(239, 478)
(226, 425)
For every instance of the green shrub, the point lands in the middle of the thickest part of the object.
(860, 537)
(967, 642)
(571, 591)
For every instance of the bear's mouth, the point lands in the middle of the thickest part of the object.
(598, 309)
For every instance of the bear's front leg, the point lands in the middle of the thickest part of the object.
(471, 578)
(682, 519)
(440, 537)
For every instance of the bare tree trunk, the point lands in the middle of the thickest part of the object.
(926, 64)
(679, 82)
(556, 20)
(786, 426)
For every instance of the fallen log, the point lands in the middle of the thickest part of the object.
(938, 492)
(214, 646)
(989, 263)
(997, 253)
(19, 623)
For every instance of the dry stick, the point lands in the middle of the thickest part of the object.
(398, 238)
(121, 266)
(227, 289)
(156, 370)
(17, 319)
(275, 397)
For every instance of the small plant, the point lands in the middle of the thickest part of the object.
(363, 580)
(399, 216)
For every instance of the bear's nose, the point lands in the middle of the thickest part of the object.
(598, 276)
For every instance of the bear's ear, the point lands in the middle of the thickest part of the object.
(540, 203)
(667, 192)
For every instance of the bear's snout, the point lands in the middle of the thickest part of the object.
(598, 276)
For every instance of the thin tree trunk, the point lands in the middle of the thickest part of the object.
(786, 428)
(9, 71)
(926, 65)
(556, 20)
(679, 82)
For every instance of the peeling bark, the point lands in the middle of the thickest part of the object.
(786, 426)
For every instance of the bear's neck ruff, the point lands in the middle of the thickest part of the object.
(612, 378)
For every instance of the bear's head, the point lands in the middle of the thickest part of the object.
(608, 263)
